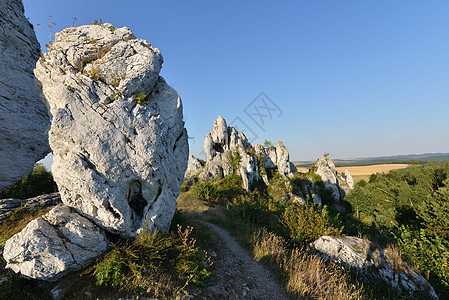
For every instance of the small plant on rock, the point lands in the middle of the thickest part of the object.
(234, 159)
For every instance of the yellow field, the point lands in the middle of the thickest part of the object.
(363, 172)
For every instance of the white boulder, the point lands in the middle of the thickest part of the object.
(55, 244)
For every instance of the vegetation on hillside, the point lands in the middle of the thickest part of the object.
(407, 209)
(39, 182)
(410, 208)
(154, 264)
(278, 232)
(151, 265)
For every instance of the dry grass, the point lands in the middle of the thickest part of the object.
(17, 221)
(307, 276)
(393, 253)
(372, 169)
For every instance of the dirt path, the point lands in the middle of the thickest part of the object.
(237, 275)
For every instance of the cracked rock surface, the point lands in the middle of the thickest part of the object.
(55, 244)
(372, 261)
(24, 120)
(118, 138)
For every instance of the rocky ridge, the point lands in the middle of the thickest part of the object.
(228, 152)
(24, 119)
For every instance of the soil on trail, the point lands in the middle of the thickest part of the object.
(236, 275)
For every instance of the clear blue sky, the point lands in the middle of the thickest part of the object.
(352, 78)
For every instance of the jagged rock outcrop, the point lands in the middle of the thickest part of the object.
(228, 152)
(24, 120)
(194, 167)
(339, 183)
(55, 244)
(8, 206)
(373, 261)
(285, 167)
(118, 138)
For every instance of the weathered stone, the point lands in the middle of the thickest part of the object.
(372, 260)
(118, 139)
(345, 180)
(55, 244)
(24, 120)
(285, 167)
(8, 206)
(333, 180)
(228, 152)
(194, 167)
(325, 167)
(268, 155)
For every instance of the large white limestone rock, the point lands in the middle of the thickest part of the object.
(372, 261)
(285, 167)
(339, 183)
(55, 244)
(24, 120)
(118, 138)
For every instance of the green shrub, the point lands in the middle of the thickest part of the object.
(158, 264)
(39, 182)
(306, 223)
(206, 190)
(253, 214)
(230, 188)
(234, 159)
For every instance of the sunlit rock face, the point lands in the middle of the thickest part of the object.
(55, 244)
(118, 138)
(338, 182)
(24, 120)
(372, 261)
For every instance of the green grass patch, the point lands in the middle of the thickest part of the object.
(155, 264)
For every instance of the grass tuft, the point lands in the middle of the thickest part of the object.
(158, 264)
